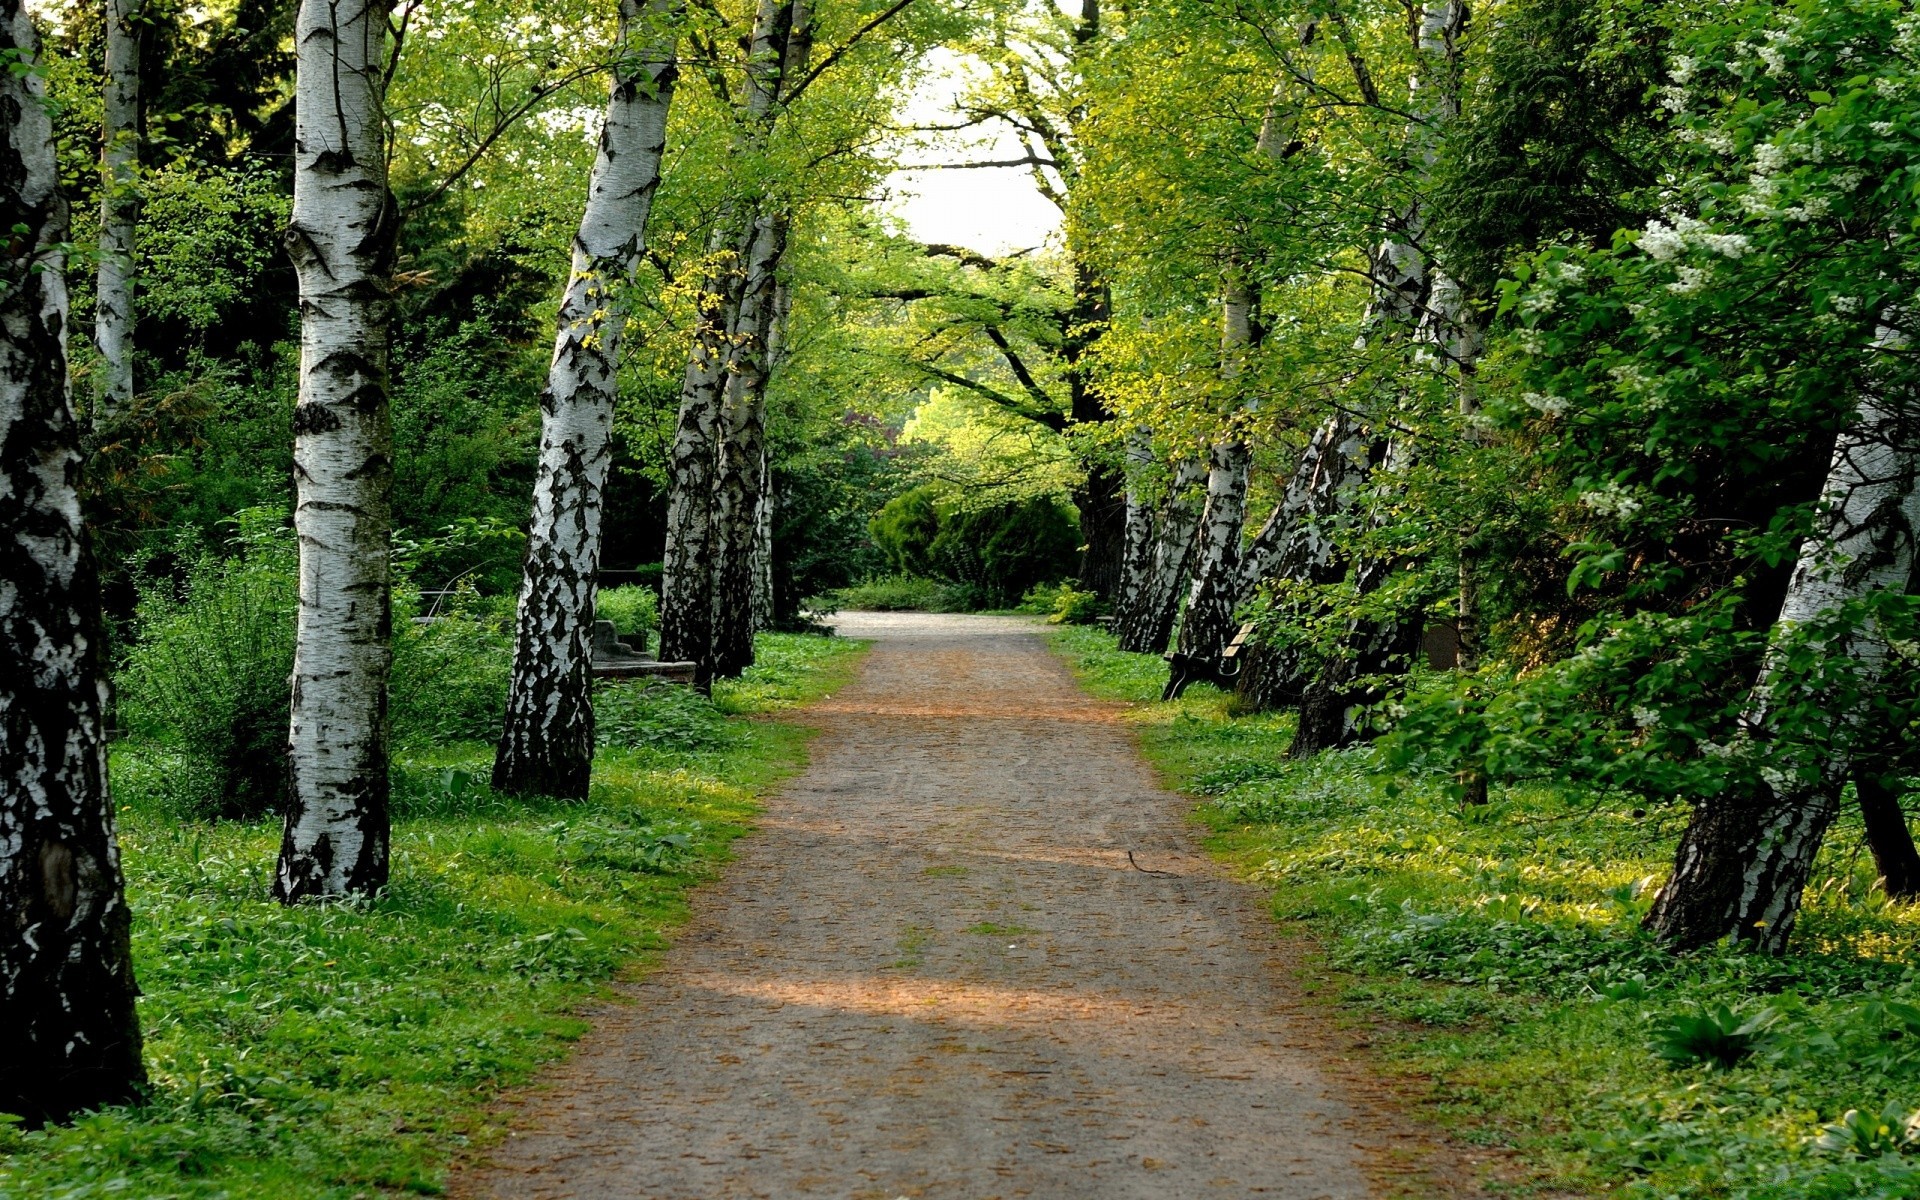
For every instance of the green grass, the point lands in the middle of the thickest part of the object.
(1497, 953)
(352, 1049)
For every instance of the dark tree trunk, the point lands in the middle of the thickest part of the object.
(1741, 866)
(66, 968)
(1103, 528)
(1102, 498)
(1878, 788)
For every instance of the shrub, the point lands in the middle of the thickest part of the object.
(893, 593)
(1063, 604)
(905, 529)
(210, 674)
(450, 674)
(1714, 1035)
(631, 608)
(657, 717)
(1005, 550)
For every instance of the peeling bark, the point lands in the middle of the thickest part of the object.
(113, 314)
(1136, 555)
(66, 969)
(1152, 625)
(690, 557)
(1297, 545)
(742, 452)
(1208, 624)
(546, 745)
(1746, 855)
(341, 241)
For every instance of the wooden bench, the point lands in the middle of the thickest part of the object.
(616, 658)
(1185, 670)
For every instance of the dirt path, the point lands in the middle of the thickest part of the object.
(935, 974)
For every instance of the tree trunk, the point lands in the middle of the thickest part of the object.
(1100, 498)
(742, 451)
(66, 968)
(119, 207)
(341, 241)
(1876, 784)
(1333, 705)
(1747, 854)
(1297, 546)
(546, 745)
(1136, 558)
(689, 559)
(1152, 626)
(1208, 624)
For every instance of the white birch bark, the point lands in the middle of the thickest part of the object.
(1208, 624)
(763, 509)
(1136, 549)
(1399, 311)
(742, 449)
(341, 242)
(1172, 554)
(546, 745)
(113, 315)
(1744, 860)
(689, 557)
(66, 971)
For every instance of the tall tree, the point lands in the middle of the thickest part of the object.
(546, 745)
(341, 240)
(1747, 854)
(66, 966)
(113, 316)
(742, 448)
(689, 560)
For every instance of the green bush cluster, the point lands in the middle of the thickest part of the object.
(631, 607)
(988, 556)
(207, 680)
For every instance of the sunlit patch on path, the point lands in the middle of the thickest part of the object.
(937, 973)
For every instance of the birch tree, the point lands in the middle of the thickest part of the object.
(689, 560)
(1148, 627)
(1404, 285)
(113, 315)
(341, 241)
(66, 969)
(1747, 854)
(546, 745)
(742, 451)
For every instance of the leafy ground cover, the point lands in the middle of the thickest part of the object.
(1497, 949)
(351, 1050)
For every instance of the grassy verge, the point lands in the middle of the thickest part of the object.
(1498, 951)
(350, 1050)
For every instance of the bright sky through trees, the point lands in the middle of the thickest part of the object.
(991, 209)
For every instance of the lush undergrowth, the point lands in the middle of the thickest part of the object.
(349, 1049)
(1499, 950)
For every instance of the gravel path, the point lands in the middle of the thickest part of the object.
(934, 973)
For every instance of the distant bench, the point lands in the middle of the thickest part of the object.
(1184, 670)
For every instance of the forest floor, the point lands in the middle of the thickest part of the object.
(974, 951)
